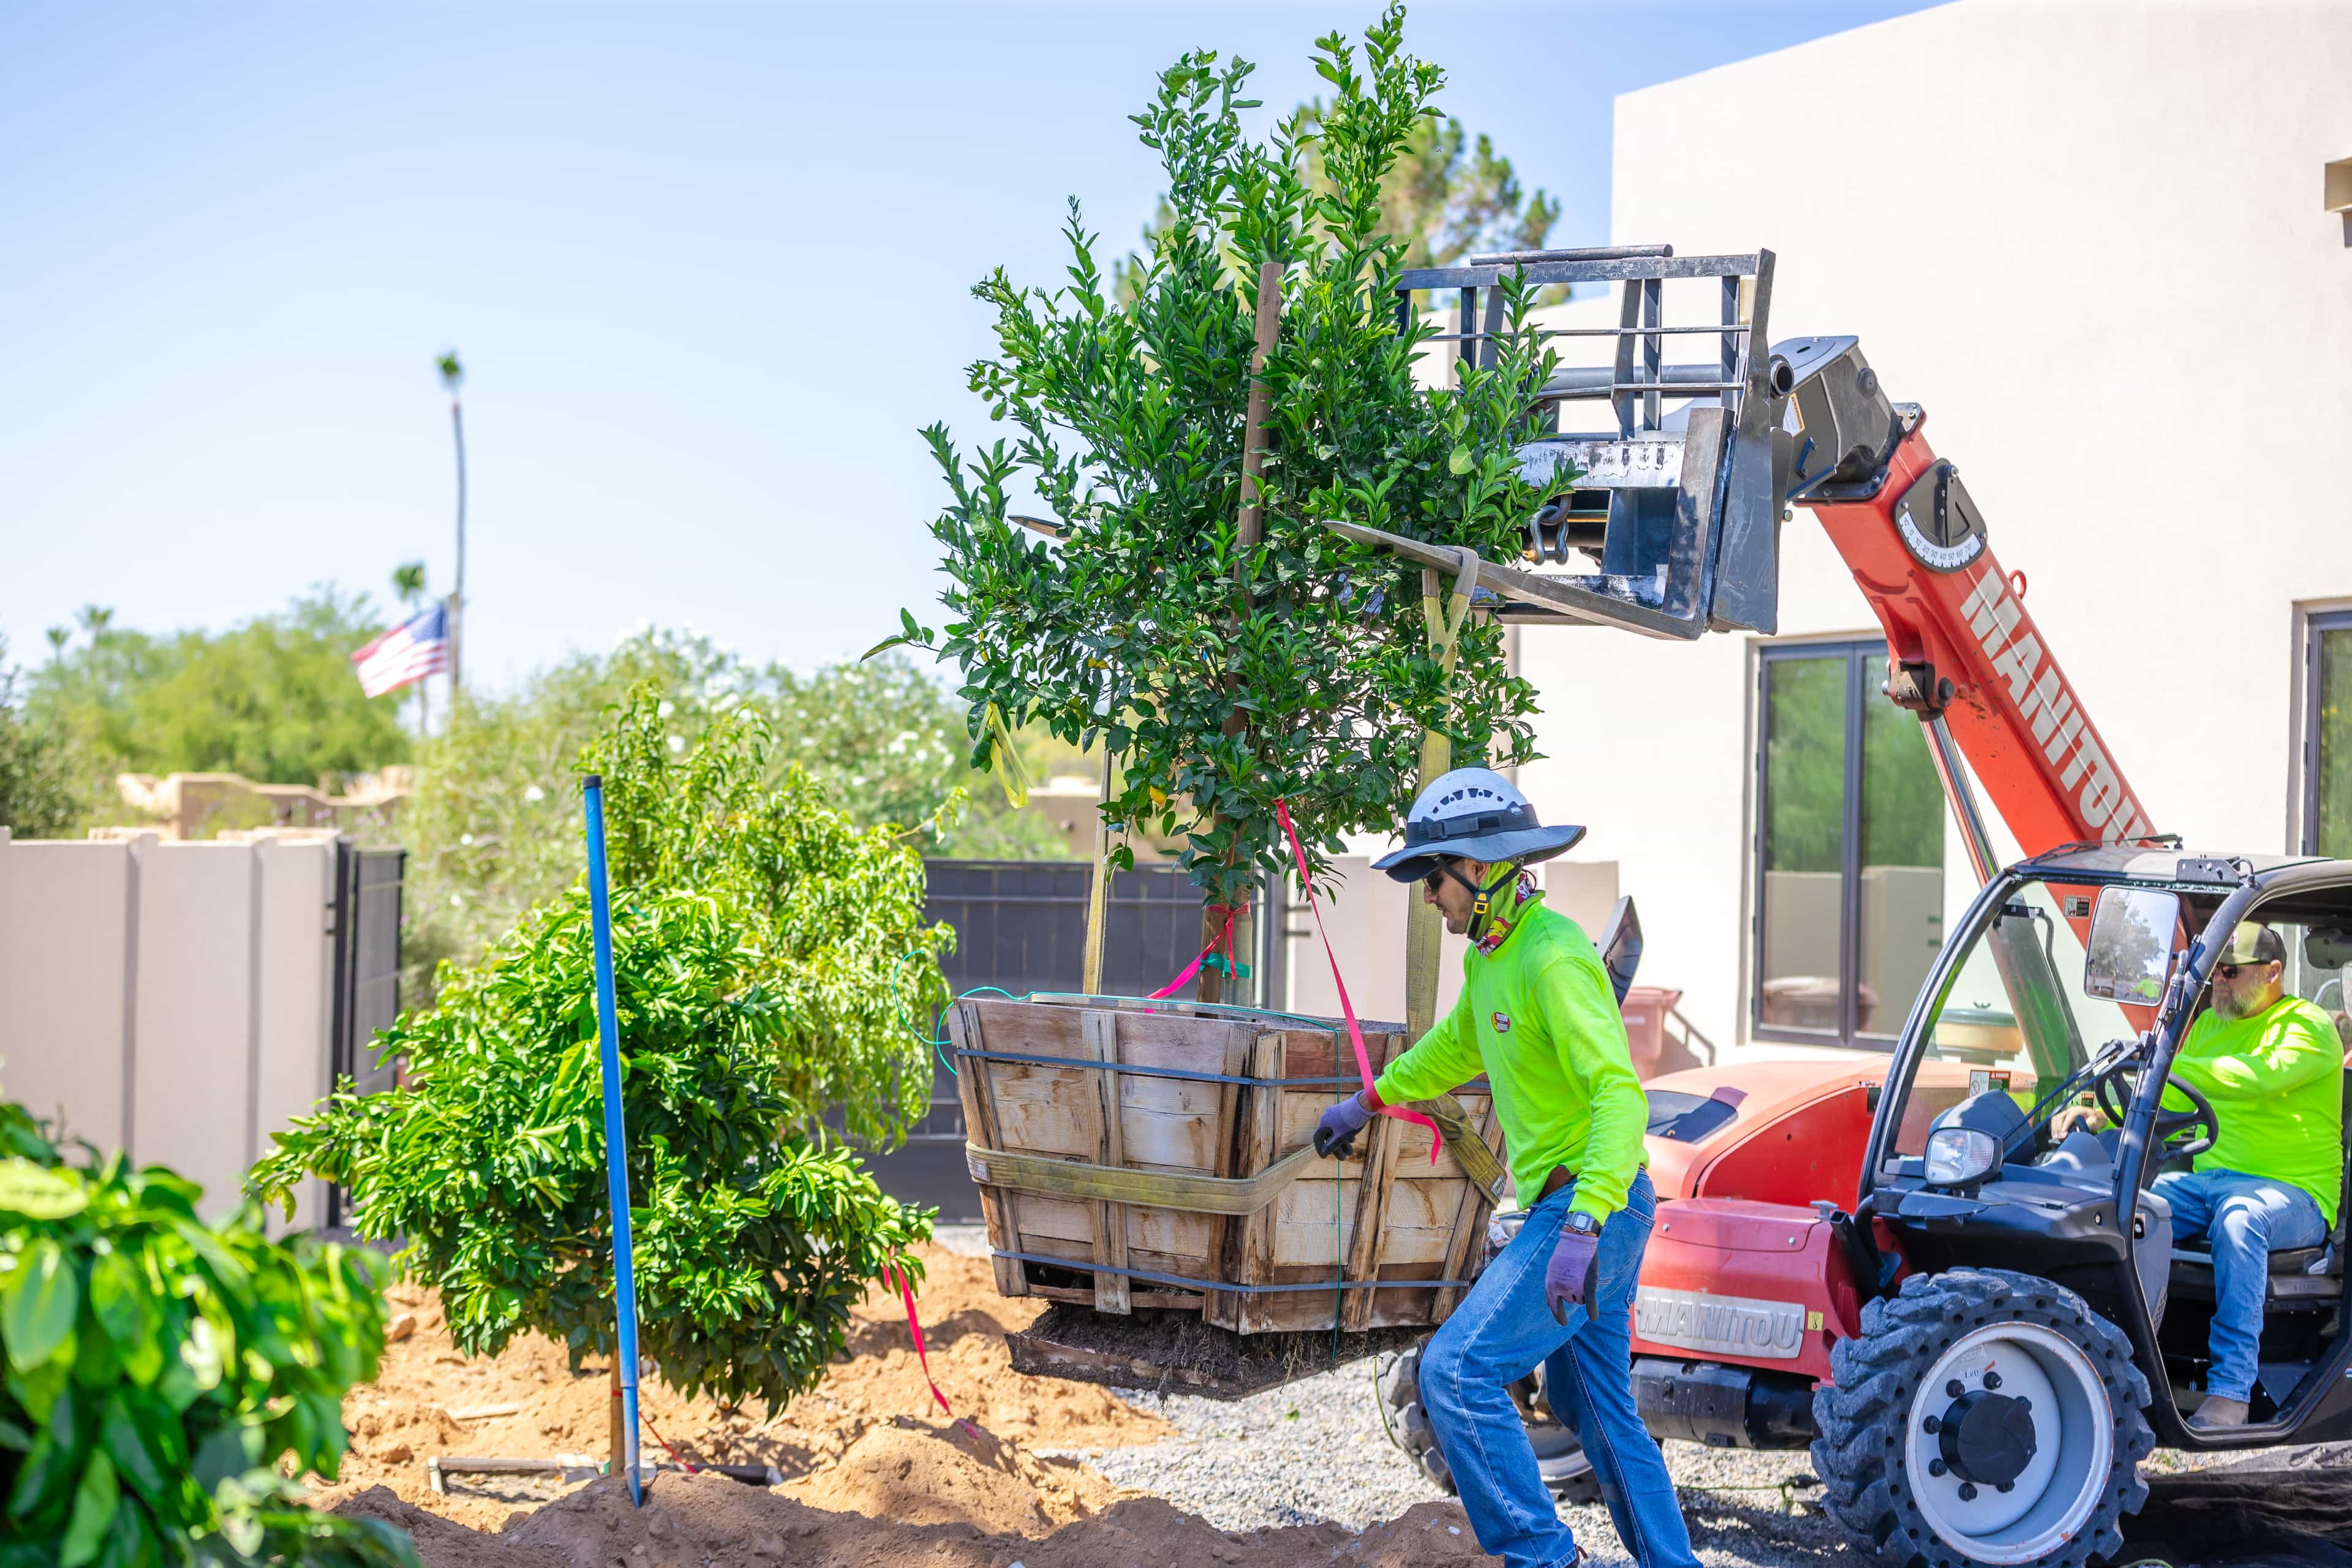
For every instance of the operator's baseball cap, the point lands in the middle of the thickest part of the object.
(2254, 942)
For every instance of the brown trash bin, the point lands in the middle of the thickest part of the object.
(1645, 1008)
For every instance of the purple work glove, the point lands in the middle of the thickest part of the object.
(1335, 1134)
(1572, 1278)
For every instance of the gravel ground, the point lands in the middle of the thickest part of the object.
(1315, 1449)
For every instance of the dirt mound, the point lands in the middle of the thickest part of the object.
(441, 1542)
(915, 1472)
(527, 1403)
(690, 1520)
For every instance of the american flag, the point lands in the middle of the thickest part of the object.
(411, 650)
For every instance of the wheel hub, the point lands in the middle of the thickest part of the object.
(1986, 1438)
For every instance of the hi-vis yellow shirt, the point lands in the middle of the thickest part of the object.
(2276, 1081)
(1539, 1017)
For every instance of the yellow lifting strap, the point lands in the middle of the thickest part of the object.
(1210, 1195)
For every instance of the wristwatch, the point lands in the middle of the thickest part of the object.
(1581, 1223)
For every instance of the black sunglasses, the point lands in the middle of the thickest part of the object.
(2230, 971)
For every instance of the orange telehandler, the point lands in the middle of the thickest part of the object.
(1930, 1269)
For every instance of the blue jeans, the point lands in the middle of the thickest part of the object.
(2246, 1219)
(1500, 1334)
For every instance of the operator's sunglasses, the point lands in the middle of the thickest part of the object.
(2231, 971)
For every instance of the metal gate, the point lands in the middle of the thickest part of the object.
(366, 937)
(1021, 925)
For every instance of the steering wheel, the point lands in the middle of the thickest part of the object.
(2115, 1101)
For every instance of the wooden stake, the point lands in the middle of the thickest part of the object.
(1099, 892)
(617, 1436)
(1423, 934)
(1250, 533)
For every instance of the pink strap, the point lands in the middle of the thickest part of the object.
(893, 1275)
(1225, 939)
(1355, 1034)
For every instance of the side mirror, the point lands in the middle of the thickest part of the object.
(1620, 946)
(2131, 945)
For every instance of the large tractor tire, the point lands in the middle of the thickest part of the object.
(1559, 1455)
(1983, 1417)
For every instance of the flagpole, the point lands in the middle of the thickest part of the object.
(453, 376)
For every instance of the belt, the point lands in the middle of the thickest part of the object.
(1560, 1176)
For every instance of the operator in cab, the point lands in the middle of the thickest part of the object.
(1539, 1016)
(2273, 1068)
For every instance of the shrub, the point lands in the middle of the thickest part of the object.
(160, 1371)
(756, 935)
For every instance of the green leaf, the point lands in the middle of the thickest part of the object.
(93, 1512)
(38, 1299)
(1458, 463)
(39, 1193)
(135, 1449)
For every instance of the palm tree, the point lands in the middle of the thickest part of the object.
(408, 582)
(453, 376)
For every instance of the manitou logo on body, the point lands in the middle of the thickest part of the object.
(2041, 695)
(1720, 1325)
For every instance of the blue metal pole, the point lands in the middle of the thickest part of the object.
(616, 1144)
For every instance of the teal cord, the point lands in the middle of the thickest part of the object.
(938, 1044)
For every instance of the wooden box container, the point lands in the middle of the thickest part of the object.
(1171, 1166)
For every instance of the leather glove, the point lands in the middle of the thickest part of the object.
(1335, 1133)
(1572, 1278)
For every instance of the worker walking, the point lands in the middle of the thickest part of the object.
(1539, 1016)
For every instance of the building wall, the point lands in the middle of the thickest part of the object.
(170, 999)
(2090, 240)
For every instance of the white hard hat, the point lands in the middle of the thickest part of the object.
(1472, 813)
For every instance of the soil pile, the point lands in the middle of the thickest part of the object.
(527, 1403)
(689, 1521)
(916, 1472)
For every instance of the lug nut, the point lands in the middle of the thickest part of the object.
(1955, 1388)
(1935, 1466)
(1968, 1491)
(2023, 1402)
(1931, 1426)
(2004, 1486)
(1993, 1380)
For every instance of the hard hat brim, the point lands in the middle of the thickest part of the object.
(1526, 845)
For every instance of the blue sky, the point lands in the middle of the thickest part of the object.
(707, 267)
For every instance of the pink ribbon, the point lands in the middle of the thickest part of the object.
(893, 1275)
(1355, 1034)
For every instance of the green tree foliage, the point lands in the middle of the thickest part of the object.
(763, 947)
(494, 824)
(1446, 197)
(44, 789)
(1299, 670)
(273, 698)
(161, 1371)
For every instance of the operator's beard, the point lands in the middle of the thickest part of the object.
(2234, 1005)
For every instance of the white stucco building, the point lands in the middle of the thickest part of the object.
(2096, 243)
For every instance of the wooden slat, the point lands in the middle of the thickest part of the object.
(1240, 1047)
(1248, 1252)
(1110, 1289)
(1472, 1206)
(965, 1032)
(1365, 1245)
